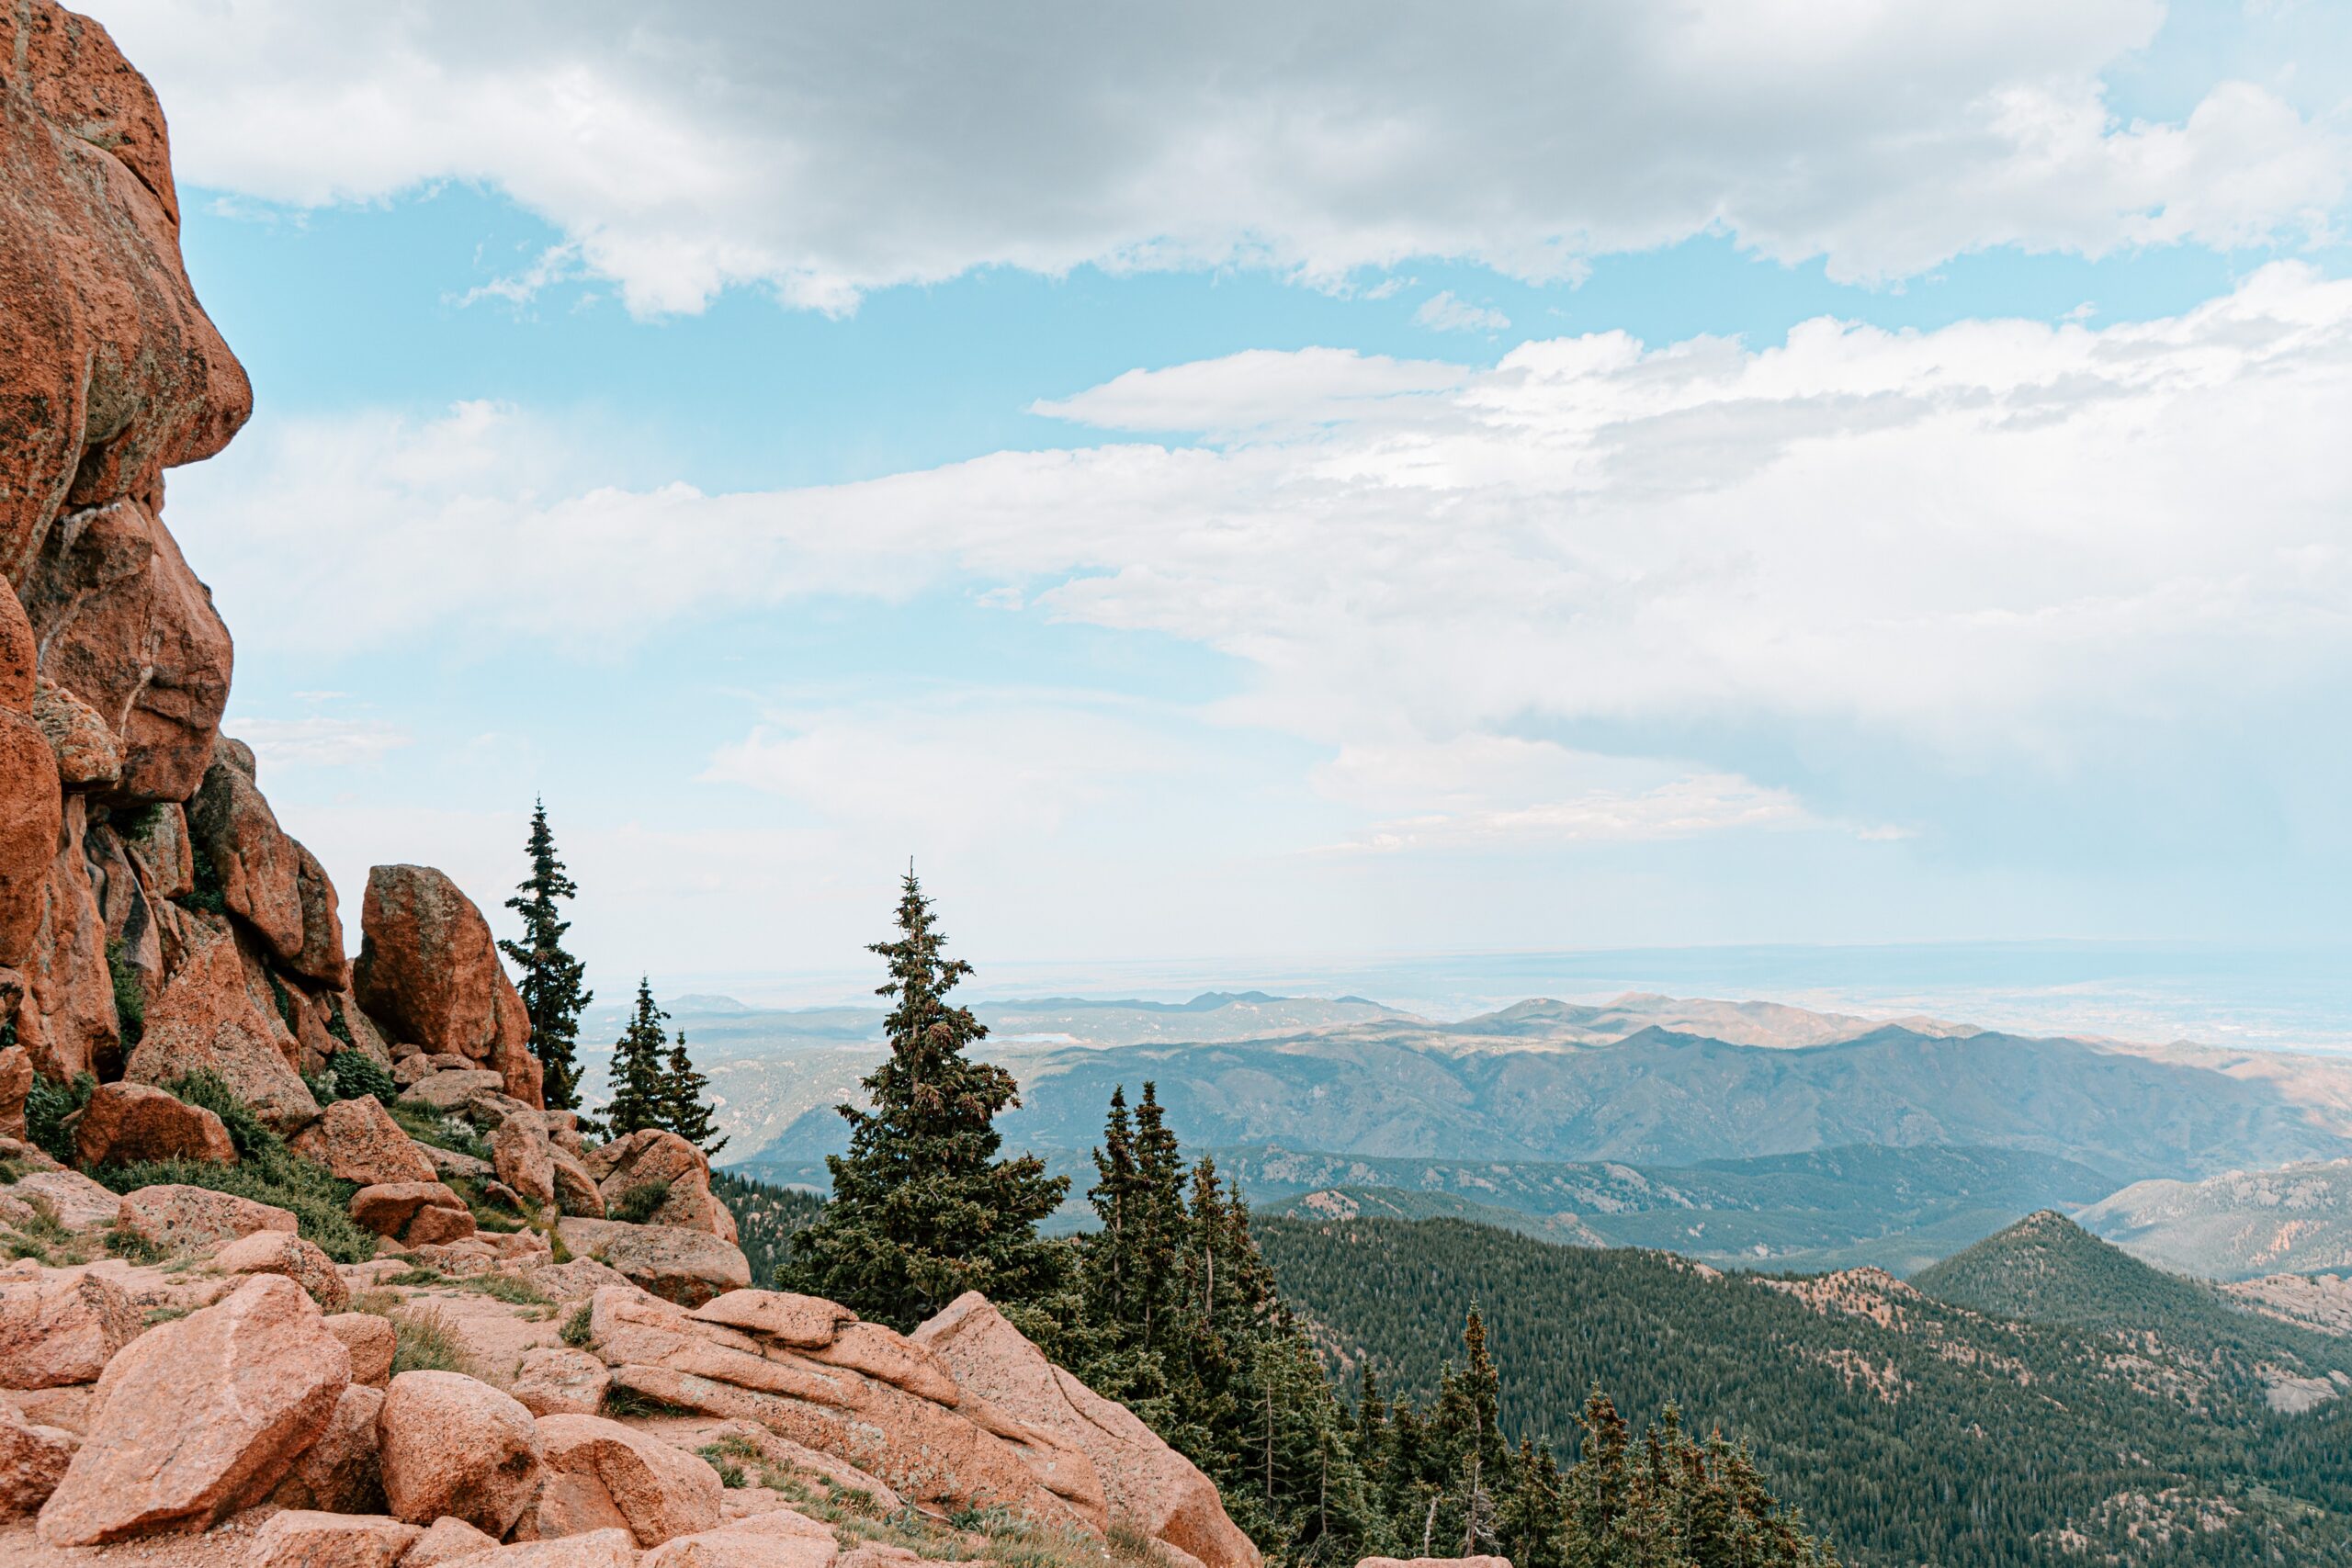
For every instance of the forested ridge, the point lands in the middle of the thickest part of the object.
(1907, 1429)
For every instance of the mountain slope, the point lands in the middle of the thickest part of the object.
(1663, 1099)
(1910, 1429)
(2235, 1225)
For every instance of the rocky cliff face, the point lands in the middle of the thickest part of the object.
(155, 918)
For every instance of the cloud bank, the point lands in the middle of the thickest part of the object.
(1512, 603)
(821, 152)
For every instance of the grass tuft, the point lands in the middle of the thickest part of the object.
(423, 1340)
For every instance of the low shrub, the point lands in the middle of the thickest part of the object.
(640, 1203)
(266, 1170)
(46, 1109)
(575, 1331)
(428, 1125)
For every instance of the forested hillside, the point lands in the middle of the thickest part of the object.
(1909, 1430)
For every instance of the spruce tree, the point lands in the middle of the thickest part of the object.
(922, 1207)
(551, 987)
(639, 1072)
(685, 1101)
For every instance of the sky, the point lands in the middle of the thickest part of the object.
(1217, 483)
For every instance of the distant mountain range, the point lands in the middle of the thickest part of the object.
(2238, 1224)
(1597, 1123)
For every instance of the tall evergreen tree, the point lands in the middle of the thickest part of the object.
(923, 1207)
(550, 985)
(640, 1071)
(686, 1101)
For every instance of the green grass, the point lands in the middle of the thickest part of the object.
(266, 1171)
(575, 1331)
(428, 1125)
(423, 1340)
(640, 1203)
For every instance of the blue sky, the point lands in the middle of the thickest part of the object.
(1322, 484)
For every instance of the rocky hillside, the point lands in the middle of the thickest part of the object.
(2235, 1225)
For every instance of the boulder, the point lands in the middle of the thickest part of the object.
(688, 1267)
(72, 1199)
(274, 1252)
(302, 1538)
(125, 1123)
(576, 1281)
(420, 1062)
(31, 817)
(429, 971)
(453, 1446)
(572, 1504)
(657, 1159)
(450, 1090)
(32, 1461)
(176, 1217)
(660, 1491)
(61, 1326)
(321, 958)
(202, 1416)
(448, 1540)
(15, 1087)
(1149, 1487)
(576, 1190)
(803, 1323)
(206, 1018)
(371, 1341)
(257, 864)
(612, 1548)
(559, 1381)
(762, 1540)
(342, 1472)
(358, 1141)
(395, 1208)
(86, 749)
(524, 1157)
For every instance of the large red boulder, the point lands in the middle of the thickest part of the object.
(128, 1123)
(453, 1446)
(199, 1417)
(651, 1160)
(660, 1491)
(429, 972)
(358, 1141)
(19, 656)
(62, 1327)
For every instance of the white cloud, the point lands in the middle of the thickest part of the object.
(1444, 313)
(319, 740)
(822, 151)
(1686, 808)
(2002, 541)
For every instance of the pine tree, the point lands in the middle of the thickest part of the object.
(922, 1207)
(639, 1074)
(685, 1101)
(1108, 1269)
(551, 987)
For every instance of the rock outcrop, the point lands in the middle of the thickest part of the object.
(1151, 1487)
(455, 1447)
(959, 1453)
(202, 1417)
(155, 917)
